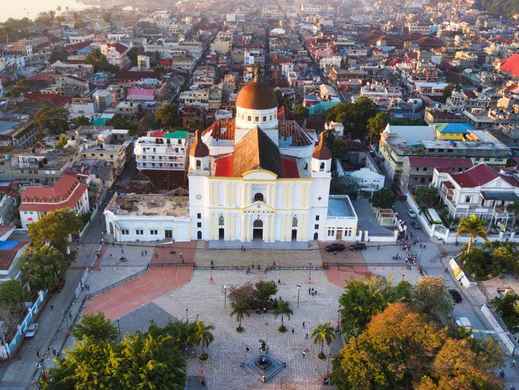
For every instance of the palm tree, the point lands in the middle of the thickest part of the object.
(239, 310)
(282, 308)
(203, 336)
(474, 226)
(323, 333)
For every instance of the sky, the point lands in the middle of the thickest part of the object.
(31, 8)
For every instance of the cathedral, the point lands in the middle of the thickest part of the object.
(262, 177)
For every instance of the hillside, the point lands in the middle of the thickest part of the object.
(501, 7)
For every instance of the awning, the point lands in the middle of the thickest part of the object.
(507, 196)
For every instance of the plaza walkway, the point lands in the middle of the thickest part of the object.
(130, 295)
(341, 274)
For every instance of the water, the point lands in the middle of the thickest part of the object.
(31, 8)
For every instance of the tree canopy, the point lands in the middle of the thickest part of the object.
(474, 227)
(166, 115)
(12, 296)
(53, 120)
(55, 228)
(354, 116)
(99, 62)
(43, 268)
(385, 198)
(95, 327)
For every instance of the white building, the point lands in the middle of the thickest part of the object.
(252, 178)
(368, 180)
(162, 151)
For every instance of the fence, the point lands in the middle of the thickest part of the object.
(8, 350)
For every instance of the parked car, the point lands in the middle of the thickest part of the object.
(335, 247)
(456, 296)
(358, 246)
(464, 322)
(31, 330)
(412, 213)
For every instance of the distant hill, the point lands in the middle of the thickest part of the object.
(501, 7)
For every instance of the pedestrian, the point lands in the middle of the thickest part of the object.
(279, 281)
(247, 349)
(38, 354)
(304, 354)
(54, 352)
(303, 324)
(306, 335)
(52, 307)
(293, 331)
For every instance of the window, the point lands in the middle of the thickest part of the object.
(294, 222)
(317, 217)
(331, 232)
(256, 119)
(125, 231)
(467, 199)
(199, 215)
(258, 197)
(139, 232)
(221, 220)
(321, 167)
(249, 118)
(264, 119)
(316, 226)
(154, 232)
(199, 224)
(198, 164)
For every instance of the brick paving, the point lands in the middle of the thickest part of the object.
(257, 257)
(123, 299)
(177, 253)
(340, 275)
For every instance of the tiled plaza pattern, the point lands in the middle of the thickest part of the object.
(205, 299)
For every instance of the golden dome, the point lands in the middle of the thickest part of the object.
(256, 96)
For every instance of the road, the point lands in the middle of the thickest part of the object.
(19, 373)
(433, 261)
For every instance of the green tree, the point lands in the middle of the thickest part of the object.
(376, 124)
(264, 290)
(55, 228)
(12, 296)
(385, 198)
(133, 54)
(321, 334)
(339, 148)
(477, 263)
(507, 306)
(239, 310)
(395, 351)
(142, 361)
(474, 226)
(282, 308)
(431, 297)
(62, 141)
(362, 299)
(426, 197)
(99, 62)
(43, 268)
(354, 116)
(300, 112)
(81, 121)
(119, 121)
(95, 327)
(54, 120)
(166, 115)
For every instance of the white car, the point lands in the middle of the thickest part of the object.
(464, 322)
(31, 331)
(412, 213)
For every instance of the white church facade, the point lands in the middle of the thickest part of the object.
(257, 177)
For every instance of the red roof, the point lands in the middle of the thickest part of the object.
(51, 98)
(224, 167)
(476, 176)
(65, 193)
(7, 256)
(440, 163)
(120, 48)
(511, 65)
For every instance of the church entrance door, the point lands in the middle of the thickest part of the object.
(257, 230)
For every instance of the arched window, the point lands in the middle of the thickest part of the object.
(221, 221)
(258, 224)
(258, 197)
(294, 222)
(322, 167)
(198, 164)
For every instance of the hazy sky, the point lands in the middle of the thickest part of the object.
(31, 8)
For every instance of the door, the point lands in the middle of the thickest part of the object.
(168, 234)
(257, 230)
(339, 235)
(221, 233)
(294, 234)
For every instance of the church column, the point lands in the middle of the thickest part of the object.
(243, 229)
(272, 232)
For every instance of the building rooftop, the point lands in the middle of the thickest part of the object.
(340, 207)
(149, 205)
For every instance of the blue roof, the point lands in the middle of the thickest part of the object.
(8, 245)
(339, 207)
(454, 128)
(322, 107)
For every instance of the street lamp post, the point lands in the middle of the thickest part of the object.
(309, 272)
(298, 293)
(224, 295)
(187, 313)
